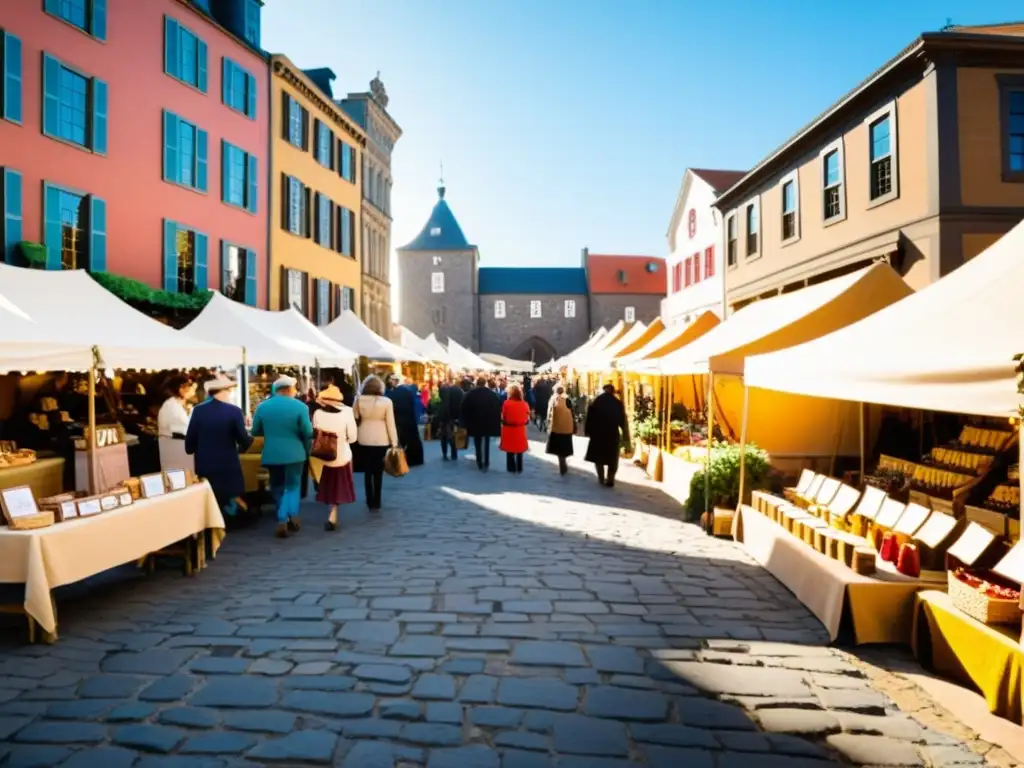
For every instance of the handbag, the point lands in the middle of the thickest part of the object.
(461, 439)
(395, 463)
(325, 445)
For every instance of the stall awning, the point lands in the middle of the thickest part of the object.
(409, 340)
(564, 360)
(351, 332)
(948, 347)
(669, 340)
(601, 360)
(434, 350)
(787, 320)
(465, 358)
(269, 338)
(507, 363)
(68, 313)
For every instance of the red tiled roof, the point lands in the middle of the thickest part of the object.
(608, 273)
(719, 180)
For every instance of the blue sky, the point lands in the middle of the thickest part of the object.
(569, 123)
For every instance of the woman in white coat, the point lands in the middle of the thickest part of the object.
(172, 424)
(336, 484)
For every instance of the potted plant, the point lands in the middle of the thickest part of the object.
(724, 474)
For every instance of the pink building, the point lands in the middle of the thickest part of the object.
(134, 139)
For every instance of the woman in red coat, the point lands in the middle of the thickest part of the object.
(515, 415)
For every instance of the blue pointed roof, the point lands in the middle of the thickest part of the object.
(441, 232)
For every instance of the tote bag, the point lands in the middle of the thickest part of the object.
(395, 463)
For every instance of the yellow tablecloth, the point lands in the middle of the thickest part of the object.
(874, 609)
(988, 659)
(68, 552)
(45, 477)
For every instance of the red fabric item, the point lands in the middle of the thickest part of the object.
(889, 550)
(909, 562)
(514, 416)
(876, 539)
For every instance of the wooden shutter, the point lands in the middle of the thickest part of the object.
(201, 65)
(305, 294)
(170, 256)
(284, 288)
(97, 234)
(252, 184)
(51, 95)
(202, 142)
(305, 127)
(251, 284)
(306, 206)
(98, 22)
(172, 52)
(99, 117)
(709, 261)
(11, 205)
(227, 71)
(286, 110)
(11, 85)
(250, 93)
(200, 275)
(52, 226)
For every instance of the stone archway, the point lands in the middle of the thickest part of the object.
(534, 349)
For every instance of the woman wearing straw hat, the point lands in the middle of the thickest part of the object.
(336, 485)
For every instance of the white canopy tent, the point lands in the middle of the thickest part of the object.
(948, 347)
(409, 340)
(507, 363)
(435, 350)
(350, 332)
(71, 314)
(595, 338)
(601, 360)
(269, 338)
(464, 358)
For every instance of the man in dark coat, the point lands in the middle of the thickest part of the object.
(606, 419)
(405, 399)
(481, 416)
(216, 435)
(448, 416)
(541, 397)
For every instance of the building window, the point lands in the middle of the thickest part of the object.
(534, 309)
(185, 153)
(881, 158)
(689, 273)
(295, 208)
(239, 176)
(88, 15)
(184, 54)
(238, 89)
(730, 241)
(752, 229)
(324, 144)
(295, 292)
(10, 82)
(346, 231)
(832, 183)
(696, 267)
(238, 273)
(324, 211)
(74, 105)
(570, 308)
(296, 123)
(437, 282)
(435, 231)
(185, 258)
(74, 227)
(499, 309)
(347, 162)
(1011, 107)
(74, 244)
(323, 300)
(788, 210)
(252, 22)
(630, 314)
(709, 262)
(348, 298)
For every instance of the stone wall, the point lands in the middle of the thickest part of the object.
(505, 336)
(448, 314)
(608, 308)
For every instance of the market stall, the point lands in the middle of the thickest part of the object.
(348, 331)
(922, 353)
(463, 358)
(507, 364)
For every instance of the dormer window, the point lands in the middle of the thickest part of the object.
(622, 276)
(435, 231)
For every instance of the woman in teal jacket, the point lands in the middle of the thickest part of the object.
(287, 432)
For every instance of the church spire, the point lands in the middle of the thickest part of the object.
(440, 183)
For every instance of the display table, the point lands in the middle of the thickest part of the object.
(45, 477)
(869, 609)
(986, 658)
(64, 553)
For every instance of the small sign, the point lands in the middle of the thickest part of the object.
(1012, 564)
(176, 479)
(153, 485)
(972, 544)
(109, 502)
(912, 519)
(18, 502)
(936, 530)
(68, 510)
(890, 513)
(89, 507)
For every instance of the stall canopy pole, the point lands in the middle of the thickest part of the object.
(863, 447)
(710, 440)
(743, 443)
(243, 382)
(90, 456)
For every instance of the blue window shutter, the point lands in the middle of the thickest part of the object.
(252, 185)
(172, 52)
(170, 256)
(100, 109)
(10, 225)
(52, 226)
(223, 265)
(250, 278)
(250, 91)
(201, 65)
(97, 234)
(225, 81)
(99, 19)
(225, 170)
(201, 261)
(172, 168)
(51, 95)
(10, 49)
(52, 6)
(202, 139)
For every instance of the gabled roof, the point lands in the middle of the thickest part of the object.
(717, 179)
(626, 274)
(441, 232)
(532, 280)
(713, 179)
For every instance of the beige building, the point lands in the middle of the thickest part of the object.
(370, 111)
(922, 165)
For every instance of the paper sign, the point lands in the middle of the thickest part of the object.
(108, 503)
(890, 513)
(153, 485)
(68, 510)
(913, 517)
(870, 502)
(827, 491)
(844, 500)
(125, 498)
(936, 529)
(176, 479)
(972, 544)
(19, 502)
(1012, 564)
(89, 507)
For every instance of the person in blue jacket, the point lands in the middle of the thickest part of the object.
(283, 421)
(215, 436)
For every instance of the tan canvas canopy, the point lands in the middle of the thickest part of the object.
(601, 360)
(786, 320)
(948, 347)
(669, 340)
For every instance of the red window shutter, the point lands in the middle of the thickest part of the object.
(689, 271)
(709, 261)
(696, 267)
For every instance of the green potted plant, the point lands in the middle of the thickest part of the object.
(724, 475)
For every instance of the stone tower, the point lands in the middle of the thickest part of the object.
(437, 280)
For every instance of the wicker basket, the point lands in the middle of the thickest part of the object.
(980, 606)
(43, 519)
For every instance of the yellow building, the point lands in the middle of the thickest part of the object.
(316, 191)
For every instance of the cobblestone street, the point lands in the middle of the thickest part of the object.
(479, 621)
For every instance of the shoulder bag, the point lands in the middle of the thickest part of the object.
(395, 463)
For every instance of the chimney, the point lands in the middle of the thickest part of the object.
(584, 255)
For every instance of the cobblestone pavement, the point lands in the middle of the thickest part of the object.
(480, 620)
